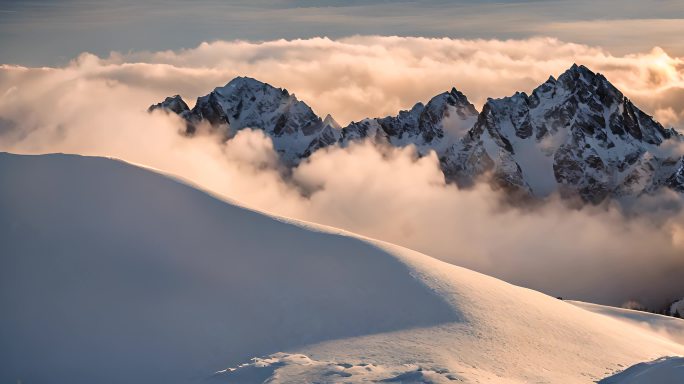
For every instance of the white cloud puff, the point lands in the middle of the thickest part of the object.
(364, 76)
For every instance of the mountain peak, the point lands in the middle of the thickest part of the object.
(174, 104)
(455, 93)
(579, 68)
(330, 121)
(245, 81)
(453, 97)
(242, 84)
(245, 102)
(417, 108)
(574, 134)
(581, 75)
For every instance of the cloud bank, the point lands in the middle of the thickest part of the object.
(58, 30)
(96, 106)
(369, 76)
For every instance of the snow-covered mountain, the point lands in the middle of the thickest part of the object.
(577, 135)
(244, 102)
(438, 125)
(110, 273)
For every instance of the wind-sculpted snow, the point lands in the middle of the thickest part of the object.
(282, 368)
(667, 326)
(666, 370)
(110, 273)
(286, 368)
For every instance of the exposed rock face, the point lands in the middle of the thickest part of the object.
(248, 103)
(173, 104)
(676, 180)
(577, 135)
(435, 126)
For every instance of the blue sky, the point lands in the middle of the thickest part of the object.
(52, 32)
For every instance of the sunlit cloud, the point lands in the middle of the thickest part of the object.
(364, 76)
(97, 106)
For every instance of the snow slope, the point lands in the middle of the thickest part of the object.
(666, 370)
(671, 327)
(110, 273)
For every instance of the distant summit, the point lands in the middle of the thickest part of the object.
(578, 134)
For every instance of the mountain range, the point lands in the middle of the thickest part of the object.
(577, 135)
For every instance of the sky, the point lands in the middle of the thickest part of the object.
(37, 33)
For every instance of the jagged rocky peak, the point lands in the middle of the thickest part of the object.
(432, 126)
(248, 103)
(330, 134)
(173, 104)
(455, 98)
(449, 113)
(577, 134)
(245, 102)
(330, 121)
(580, 86)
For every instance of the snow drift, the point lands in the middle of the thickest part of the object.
(110, 273)
(663, 370)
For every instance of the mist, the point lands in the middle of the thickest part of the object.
(603, 254)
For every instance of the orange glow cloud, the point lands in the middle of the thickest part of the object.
(366, 76)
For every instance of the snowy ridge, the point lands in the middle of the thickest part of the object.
(577, 135)
(128, 290)
(439, 124)
(247, 103)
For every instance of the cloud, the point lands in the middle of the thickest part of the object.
(97, 106)
(364, 76)
(56, 31)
